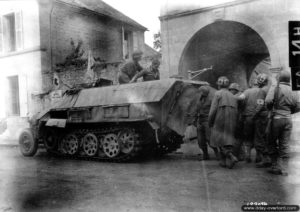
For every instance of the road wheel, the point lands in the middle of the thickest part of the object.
(111, 146)
(28, 145)
(90, 144)
(70, 144)
(50, 139)
(127, 139)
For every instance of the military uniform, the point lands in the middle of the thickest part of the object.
(234, 88)
(203, 130)
(223, 118)
(238, 147)
(255, 120)
(148, 74)
(278, 144)
(128, 71)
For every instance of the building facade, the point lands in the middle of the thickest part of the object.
(238, 38)
(45, 46)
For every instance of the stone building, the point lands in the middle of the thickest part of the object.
(237, 38)
(44, 46)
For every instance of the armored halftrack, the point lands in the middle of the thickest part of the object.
(114, 123)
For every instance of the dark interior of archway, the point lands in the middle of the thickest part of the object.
(232, 48)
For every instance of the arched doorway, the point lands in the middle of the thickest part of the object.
(232, 49)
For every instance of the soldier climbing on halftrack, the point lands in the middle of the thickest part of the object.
(131, 68)
(150, 73)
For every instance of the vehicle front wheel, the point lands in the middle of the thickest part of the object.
(28, 145)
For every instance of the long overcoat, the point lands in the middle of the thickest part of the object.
(222, 118)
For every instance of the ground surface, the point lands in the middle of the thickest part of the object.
(177, 182)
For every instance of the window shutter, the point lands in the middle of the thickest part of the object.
(19, 30)
(1, 35)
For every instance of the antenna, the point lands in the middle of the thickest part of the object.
(193, 74)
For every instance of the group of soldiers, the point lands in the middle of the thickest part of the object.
(232, 122)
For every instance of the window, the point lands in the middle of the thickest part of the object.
(11, 32)
(127, 43)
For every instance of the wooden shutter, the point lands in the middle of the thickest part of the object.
(19, 30)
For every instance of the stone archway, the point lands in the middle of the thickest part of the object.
(233, 49)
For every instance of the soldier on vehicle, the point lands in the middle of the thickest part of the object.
(255, 119)
(283, 102)
(150, 73)
(222, 118)
(201, 121)
(131, 68)
(234, 88)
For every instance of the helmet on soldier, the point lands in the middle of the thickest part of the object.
(262, 80)
(284, 76)
(204, 90)
(137, 54)
(223, 82)
(155, 63)
(234, 86)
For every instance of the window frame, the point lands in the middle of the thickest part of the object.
(18, 32)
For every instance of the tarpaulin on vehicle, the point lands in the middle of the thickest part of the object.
(141, 92)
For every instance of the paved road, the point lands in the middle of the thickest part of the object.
(173, 183)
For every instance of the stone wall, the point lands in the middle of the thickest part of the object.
(268, 18)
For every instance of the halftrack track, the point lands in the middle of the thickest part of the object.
(111, 144)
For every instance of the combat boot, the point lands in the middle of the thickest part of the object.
(232, 160)
(283, 166)
(258, 157)
(216, 153)
(274, 169)
(205, 155)
(241, 155)
(222, 162)
(248, 154)
(266, 162)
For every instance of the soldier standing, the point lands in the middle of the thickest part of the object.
(283, 102)
(234, 88)
(203, 131)
(255, 118)
(131, 68)
(222, 118)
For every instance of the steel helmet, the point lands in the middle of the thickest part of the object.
(284, 76)
(204, 90)
(223, 82)
(155, 61)
(262, 79)
(234, 86)
(137, 54)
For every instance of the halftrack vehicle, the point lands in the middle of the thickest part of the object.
(114, 123)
